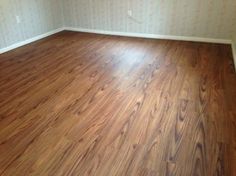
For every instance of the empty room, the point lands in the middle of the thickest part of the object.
(117, 88)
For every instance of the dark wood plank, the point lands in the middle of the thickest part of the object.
(87, 104)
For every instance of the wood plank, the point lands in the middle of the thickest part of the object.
(87, 104)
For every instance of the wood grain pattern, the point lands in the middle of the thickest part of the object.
(85, 104)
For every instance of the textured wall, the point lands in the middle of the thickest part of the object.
(37, 17)
(200, 18)
(234, 46)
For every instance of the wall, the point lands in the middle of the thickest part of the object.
(37, 17)
(197, 18)
(234, 41)
(234, 48)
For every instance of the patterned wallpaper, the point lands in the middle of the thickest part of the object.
(199, 18)
(37, 17)
(234, 43)
(234, 47)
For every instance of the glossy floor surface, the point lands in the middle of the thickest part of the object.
(84, 104)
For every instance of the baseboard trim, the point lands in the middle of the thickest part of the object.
(126, 34)
(155, 36)
(152, 36)
(22, 43)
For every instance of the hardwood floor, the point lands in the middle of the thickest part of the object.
(85, 104)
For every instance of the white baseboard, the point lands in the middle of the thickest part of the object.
(22, 43)
(155, 36)
(126, 34)
(152, 36)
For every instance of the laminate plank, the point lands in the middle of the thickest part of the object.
(86, 104)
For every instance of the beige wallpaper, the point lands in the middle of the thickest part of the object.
(199, 18)
(37, 17)
(234, 47)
